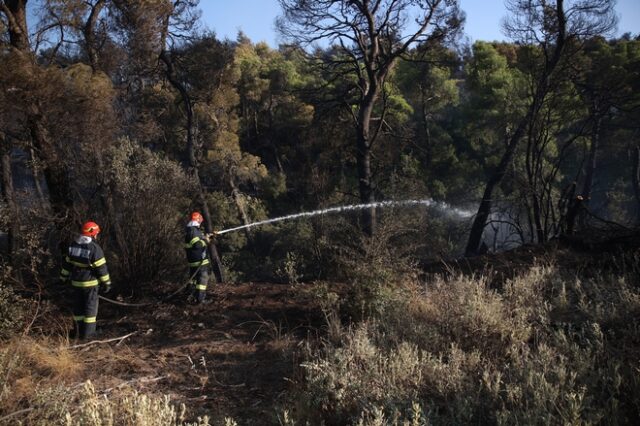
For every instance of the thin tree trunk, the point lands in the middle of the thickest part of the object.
(363, 156)
(54, 171)
(235, 192)
(484, 210)
(8, 194)
(16, 11)
(35, 168)
(635, 179)
(537, 218)
(593, 156)
(193, 162)
(426, 128)
(89, 31)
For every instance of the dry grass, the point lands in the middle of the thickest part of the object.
(43, 384)
(549, 348)
(28, 365)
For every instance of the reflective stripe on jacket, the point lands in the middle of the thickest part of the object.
(85, 264)
(195, 246)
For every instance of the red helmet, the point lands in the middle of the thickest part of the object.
(90, 229)
(197, 217)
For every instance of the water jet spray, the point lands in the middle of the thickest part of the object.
(442, 206)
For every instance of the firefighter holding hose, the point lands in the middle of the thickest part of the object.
(195, 245)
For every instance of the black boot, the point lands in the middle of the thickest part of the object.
(200, 296)
(77, 330)
(89, 331)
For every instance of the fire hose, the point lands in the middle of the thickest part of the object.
(164, 299)
(179, 290)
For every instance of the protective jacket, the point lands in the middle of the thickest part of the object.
(195, 245)
(85, 264)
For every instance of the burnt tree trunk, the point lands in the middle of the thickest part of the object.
(35, 169)
(16, 13)
(91, 43)
(426, 128)
(593, 156)
(55, 171)
(8, 194)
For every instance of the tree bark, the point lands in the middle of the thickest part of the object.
(426, 128)
(8, 194)
(593, 156)
(55, 171)
(90, 41)
(363, 157)
(635, 179)
(235, 192)
(16, 13)
(484, 210)
(35, 169)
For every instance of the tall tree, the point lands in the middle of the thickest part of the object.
(557, 29)
(369, 37)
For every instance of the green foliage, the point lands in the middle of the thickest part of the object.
(496, 96)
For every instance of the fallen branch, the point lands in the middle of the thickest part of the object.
(129, 382)
(96, 342)
(15, 413)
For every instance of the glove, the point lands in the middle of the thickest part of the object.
(106, 288)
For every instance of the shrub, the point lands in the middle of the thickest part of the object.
(12, 309)
(549, 348)
(151, 196)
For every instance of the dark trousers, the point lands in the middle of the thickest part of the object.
(85, 311)
(200, 280)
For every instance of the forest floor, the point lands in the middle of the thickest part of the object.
(237, 355)
(232, 357)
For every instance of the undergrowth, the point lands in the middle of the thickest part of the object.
(41, 385)
(551, 347)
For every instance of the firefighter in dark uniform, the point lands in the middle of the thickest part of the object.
(195, 245)
(86, 267)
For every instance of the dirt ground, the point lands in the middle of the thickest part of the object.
(234, 356)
